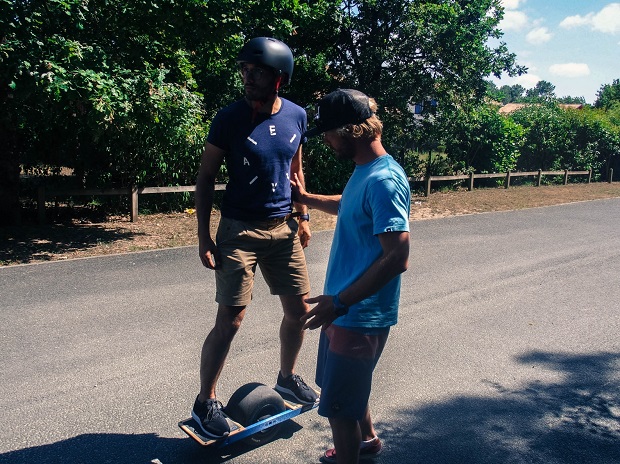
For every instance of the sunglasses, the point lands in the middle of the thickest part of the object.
(255, 73)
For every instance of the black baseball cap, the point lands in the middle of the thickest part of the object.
(339, 108)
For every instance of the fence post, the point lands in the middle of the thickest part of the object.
(471, 181)
(539, 178)
(428, 185)
(610, 177)
(565, 176)
(507, 179)
(590, 176)
(41, 204)
(133, 192)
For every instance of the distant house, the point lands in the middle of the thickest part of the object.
(511, 107)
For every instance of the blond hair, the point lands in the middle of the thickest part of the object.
(371, 128)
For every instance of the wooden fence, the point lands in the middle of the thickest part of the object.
(508, 176)
(134, 192)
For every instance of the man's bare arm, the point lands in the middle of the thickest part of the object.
(393, 261)
(326, 203)
(212, 159)
(297, 173)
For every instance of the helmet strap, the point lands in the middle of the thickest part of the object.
(278, 83)
(257, 105)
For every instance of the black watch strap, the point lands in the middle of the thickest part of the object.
(339, 308)
(305, 217)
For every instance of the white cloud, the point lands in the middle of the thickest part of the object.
(606, 21)
(570, 69)
(538, 36)
(528, 80)
(514, 20)
(576, 21)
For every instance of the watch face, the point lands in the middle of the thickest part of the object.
(341, 310)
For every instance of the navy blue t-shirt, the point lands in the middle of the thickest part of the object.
(259, 150)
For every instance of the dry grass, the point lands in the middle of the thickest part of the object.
(119, 235)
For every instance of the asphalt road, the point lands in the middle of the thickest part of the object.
(507, 350)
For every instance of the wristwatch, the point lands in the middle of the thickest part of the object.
(305, 217)
(339, 308)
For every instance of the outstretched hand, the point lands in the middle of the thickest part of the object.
(322, 315)
(298, 192)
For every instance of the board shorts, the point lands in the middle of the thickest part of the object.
(273, 245)
(346, 361)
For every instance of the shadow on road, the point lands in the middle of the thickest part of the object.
(133, 449)
(38, 243)
(573, 421)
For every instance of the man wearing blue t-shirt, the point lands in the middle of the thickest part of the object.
(259, 140)
(362, 285)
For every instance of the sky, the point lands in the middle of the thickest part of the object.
(574, 44)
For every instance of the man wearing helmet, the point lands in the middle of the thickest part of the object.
(259, 139)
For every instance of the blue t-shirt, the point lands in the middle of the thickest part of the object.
(259, 150)
(375, 200)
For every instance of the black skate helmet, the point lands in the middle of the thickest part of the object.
(269, 52)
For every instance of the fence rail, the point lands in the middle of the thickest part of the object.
(134, 192)
(507, 176)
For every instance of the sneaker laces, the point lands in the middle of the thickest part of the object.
(214, 409)
(299, 381)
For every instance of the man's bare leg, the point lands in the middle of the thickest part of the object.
(347, 439)
(216, 347)
(366, 427)
(291, 333)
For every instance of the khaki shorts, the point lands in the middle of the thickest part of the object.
(272, 244)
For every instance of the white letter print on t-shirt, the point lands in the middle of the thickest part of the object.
(246, 162)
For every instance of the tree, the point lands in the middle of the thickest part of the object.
(572, 100)
(405, 52)
(482, 140)
(608, 95)
(101, 87)
(512, 93)
(542, 91)
(123, 91)
(506, 93)
(557, 139)
(547, 137)
(596, 143)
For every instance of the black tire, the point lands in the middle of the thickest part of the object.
(254, 402)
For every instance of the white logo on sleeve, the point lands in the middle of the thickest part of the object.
(272, 130)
